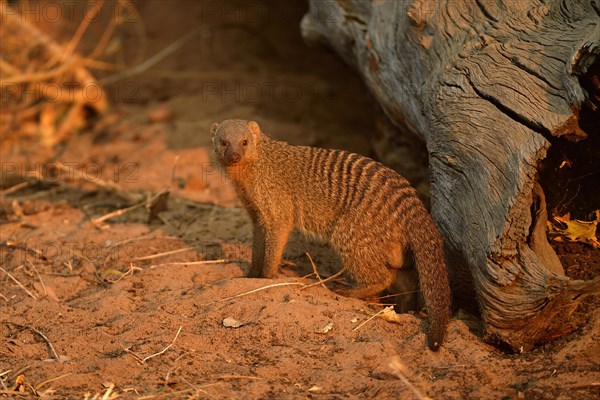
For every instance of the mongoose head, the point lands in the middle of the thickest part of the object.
(234, 141)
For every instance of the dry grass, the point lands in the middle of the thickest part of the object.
(46, 85)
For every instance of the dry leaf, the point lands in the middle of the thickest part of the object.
(315, 389)
(47, 290)
(389, 315)
(326, 328)
(112, 271)
(158, 204)
(232, 323)
(19, 384)
(160, 113)
(576, 230)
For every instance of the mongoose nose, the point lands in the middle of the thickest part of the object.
(234, 158)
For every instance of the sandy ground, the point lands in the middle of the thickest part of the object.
(125, 306)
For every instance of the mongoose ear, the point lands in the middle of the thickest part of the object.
(254, 128)
(213, 128)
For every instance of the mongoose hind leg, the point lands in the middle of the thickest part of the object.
(369, 285)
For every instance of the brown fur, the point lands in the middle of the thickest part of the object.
(368, 212)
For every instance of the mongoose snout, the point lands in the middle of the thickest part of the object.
(368, 212)
(232, 158)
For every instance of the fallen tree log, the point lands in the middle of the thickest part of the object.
(489, 85)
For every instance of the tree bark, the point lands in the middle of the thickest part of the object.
(488, 85)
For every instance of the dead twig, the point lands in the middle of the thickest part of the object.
(19, 283)
(314, 267)
(75, 174)
(398, 369)
(204, 262)
(98, 221)
(90, 15)
(166, 253)
(104, 39)
(174, 367)
(142, 237)
(130, 240)
(39, 277)
(37, 76)
(231, 377)
(162, 395)
(585, 386)
(2, 380)
(329, 279)
(165, 349)
(368, 319)
(14, 188)
(140, 68)
(23, 247)
(397, 294)
(125, 274)
(14, 393)
(137, 357)
(254, 291)
(47, 381)
(39, 333)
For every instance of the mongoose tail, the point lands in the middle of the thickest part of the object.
(428, 250)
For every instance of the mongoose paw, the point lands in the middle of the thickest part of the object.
(254, 274)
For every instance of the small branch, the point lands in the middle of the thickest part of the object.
(24, 247)
(140, 68)
(332, 277)
(314, 267)
(585, 386)
(31, 328)
(397, 294)
(368, 319)
(148, 203)
(221, 261)
(166, 253)
(19, 283)
(173, 368)
(37, 76)
(2, 380)
(133, 354)
(167, 395)
(13, 188)
(104, 39)
(98, 221)
(230, 377)
(112, 186)
(398, 367)
(90, 15)
(47, 381)
(255, 290)
(39, 277)
(163, 350)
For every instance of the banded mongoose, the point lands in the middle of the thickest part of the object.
(368, 212)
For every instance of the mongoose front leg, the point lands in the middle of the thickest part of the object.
(276, 238)
(258, 252)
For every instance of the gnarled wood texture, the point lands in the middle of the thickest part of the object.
(487, 84)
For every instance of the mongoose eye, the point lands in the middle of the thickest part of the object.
(244, 143)
(223, 142)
